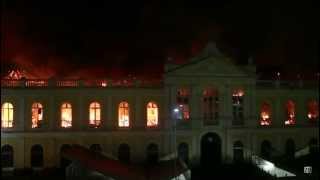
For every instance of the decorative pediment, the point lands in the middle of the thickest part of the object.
(208, 66)
(210, 62)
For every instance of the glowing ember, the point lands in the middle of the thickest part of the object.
(104, 84)
(15, 74)
(313, 110)
(238, 93)
(309, 115)
(265, 119)
(290, 113)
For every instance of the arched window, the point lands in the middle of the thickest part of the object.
(265, 114)
(94, 115)
(7, 115)
(313, 111)
(124, 153)
(36, 115)
(66, 115)
(37, 156)
(183, 104)
(238, 152)
(210, 106)
(124, 118)
(266, 149)
(237, 107)
(96, 148)
(6, 156)
(290, 149)
(152, 114)
(183, 152)
(152, 153)
(64, 162)
(290, 113)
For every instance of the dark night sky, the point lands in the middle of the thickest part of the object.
(104, 39)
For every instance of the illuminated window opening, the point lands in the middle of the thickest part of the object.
(66, 115)
(313, 111)
(94, 115)
(290, 113)
(36, 115)
(183, 104)
(7, 115)
(237, 107)
(265, 115)
(123, 113)
(210, 106)
(152, 114)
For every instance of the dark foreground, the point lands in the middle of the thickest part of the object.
(243, 171)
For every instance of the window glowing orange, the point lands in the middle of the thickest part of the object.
(94, 114)
(36, 115)
(265, 115)
(66, 115)
(313, 110)
(238, 93)
(290, 113)
(7, 115)
(152, 114)
(123, 113)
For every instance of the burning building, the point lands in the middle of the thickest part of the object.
(207, 111)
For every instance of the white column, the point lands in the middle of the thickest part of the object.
(226, 117)
(108, 114)
(81, 120)
(139, 118)
(52, 116)
(195, 107)
(278, 113)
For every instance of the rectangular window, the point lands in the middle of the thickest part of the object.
(237, 106)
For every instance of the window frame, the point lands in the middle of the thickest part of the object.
(5, 111)
(61, 115)
(238, 111)
(42, 112)
(210, 106)
(157, 114)
(124, 110)
(267, 108)
(287, 113)
(95, 109)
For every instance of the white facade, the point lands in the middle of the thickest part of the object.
(207, 70)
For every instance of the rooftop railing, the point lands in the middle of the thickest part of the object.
(104, 83)
(287, 84)
(43, 83)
